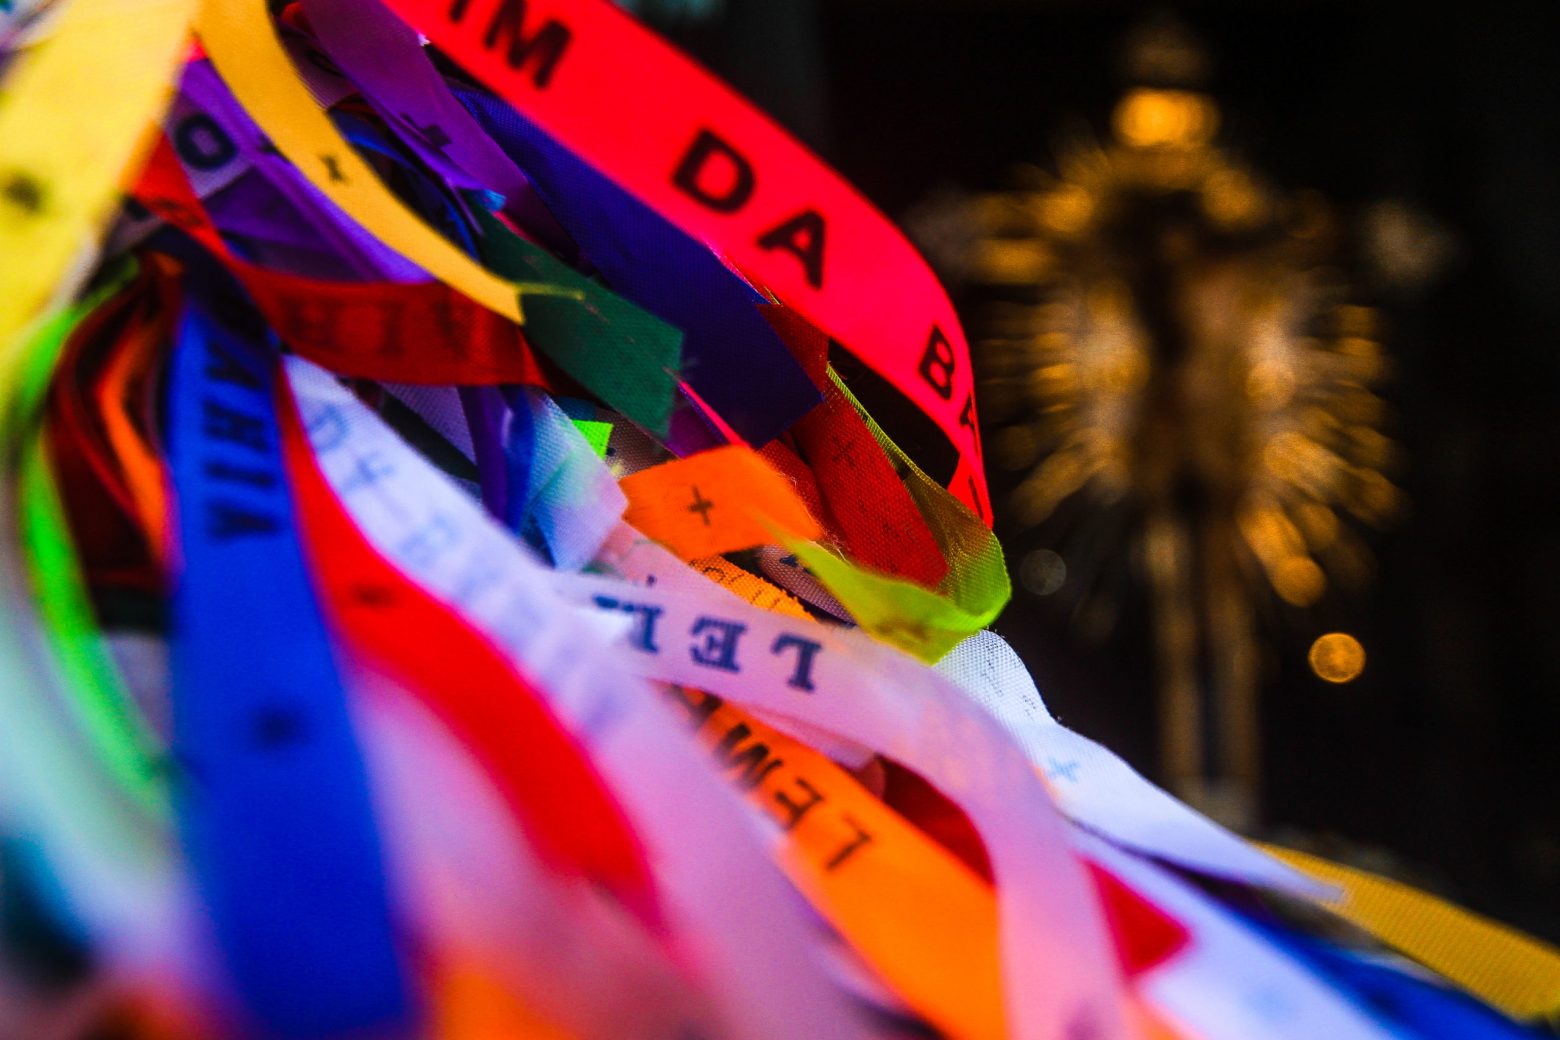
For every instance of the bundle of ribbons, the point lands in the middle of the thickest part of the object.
(450, 591)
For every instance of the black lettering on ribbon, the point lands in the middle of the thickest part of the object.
(451, 330)
(937, 363)
(24, 192)
(701, 505)
(226, 520)
(794, 810)
(802, 236)
(309, 321)
(698, 713)
(231, 474)
(753, 761)
(202, 144)
(223, 367)
(333, 168)
(277, 726)
(223, 423)
(967, 419)
(851, 847)
(374, 595)
(507, 25)
(703, 182)
(391, 312)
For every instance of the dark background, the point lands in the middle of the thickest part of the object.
(1438, 763)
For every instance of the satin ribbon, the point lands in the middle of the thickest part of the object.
(617, 350)
(275, 806)
(1091, 785)
(377, 330)
(1051, 985)
(1400, 998)
(694, 832)
(733, 360)
(114, 879)
(293, 207)
(846, 683)
(118, 730)
(735, 363)
(75, 112)
(632, 107)
(242, 44)
(541, 771)
(859, 489)
(1514, 972)
(1227, 983)
(556, 485)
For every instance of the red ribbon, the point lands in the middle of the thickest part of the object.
(401, 332)
(393, 625)
(684, 144)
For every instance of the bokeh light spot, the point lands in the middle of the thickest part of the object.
(1043, 572)
(1337, 657)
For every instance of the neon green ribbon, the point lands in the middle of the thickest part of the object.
(920, 621)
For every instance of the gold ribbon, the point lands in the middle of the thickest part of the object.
(1502, 967)
(243, 46)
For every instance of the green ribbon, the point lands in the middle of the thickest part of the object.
(115, 727)
(57, 791)
(622, 354)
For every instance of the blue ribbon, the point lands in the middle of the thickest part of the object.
(731, 357)
(274, 805)
(562, 500)
(1411, 1006)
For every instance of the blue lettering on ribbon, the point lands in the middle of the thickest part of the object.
(719, 649)
(644, 634)
(806, 651)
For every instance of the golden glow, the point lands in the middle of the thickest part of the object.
(1232, 200)
(1337, 657)
(1016, 446)
(1377, 501)
(1148, 118)
(1270, 384)
(1067, 210)
(1122, 372)
(1013, 261)
(1207, 430)
(1267, 407)
(1319, 523)
(1299, 581)
(1355, 320)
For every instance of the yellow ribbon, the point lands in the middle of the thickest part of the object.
(924, 622)
(75, 119)
(243, 46)
(1513, 972)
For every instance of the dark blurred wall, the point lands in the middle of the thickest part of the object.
(1442, 753)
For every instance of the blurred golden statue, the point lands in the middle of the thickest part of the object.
(1182, 373)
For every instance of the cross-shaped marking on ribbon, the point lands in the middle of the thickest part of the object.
(333, 169)
(702, 506)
